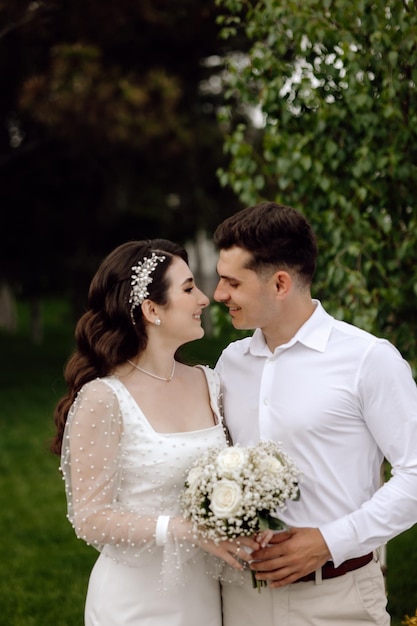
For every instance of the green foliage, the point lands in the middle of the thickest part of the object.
(108, 133)
(113, 106)
(402, 592)
(335, 85)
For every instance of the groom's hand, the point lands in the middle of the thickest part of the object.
(290, 555)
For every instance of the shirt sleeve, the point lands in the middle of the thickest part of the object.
(388, 397)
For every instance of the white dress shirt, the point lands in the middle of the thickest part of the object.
(339, 400)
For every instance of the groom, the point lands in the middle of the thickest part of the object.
(340, 400)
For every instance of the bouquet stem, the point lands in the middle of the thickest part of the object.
(258, 584)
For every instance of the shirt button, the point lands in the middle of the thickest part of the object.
(265, 402)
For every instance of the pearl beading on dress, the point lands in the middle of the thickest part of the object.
(121, 475)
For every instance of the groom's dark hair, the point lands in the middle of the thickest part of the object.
(277, 236)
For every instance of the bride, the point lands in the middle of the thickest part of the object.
(132, 422)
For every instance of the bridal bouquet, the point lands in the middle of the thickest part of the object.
(238, 491)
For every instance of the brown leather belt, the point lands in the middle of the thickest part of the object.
(330, 571)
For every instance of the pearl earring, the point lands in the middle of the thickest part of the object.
(158, 321)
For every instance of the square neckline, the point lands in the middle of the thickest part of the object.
(217, 418)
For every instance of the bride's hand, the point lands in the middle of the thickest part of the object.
(263, 538)
(232, 552)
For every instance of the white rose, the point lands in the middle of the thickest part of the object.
(231, 460)
(271, 464)
(193, 477)
(226, 498)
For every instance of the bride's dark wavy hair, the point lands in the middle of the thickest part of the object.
(105, 335)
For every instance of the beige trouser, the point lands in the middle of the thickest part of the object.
(357, 598)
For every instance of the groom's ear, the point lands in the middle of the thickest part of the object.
(282, 282)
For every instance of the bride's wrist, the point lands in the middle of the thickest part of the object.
(182, 530)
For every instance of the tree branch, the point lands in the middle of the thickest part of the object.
(27, 17)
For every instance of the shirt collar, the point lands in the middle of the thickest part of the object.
(314, 334)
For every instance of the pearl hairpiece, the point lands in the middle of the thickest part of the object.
(141, 278)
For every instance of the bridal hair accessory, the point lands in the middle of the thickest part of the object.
(141, 278)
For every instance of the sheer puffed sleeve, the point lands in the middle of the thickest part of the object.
(91, 464)
(123, 479)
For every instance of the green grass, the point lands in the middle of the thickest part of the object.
(44, 568)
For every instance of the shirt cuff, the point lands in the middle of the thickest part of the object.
(341, 540)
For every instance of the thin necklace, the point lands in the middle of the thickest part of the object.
(154, 375)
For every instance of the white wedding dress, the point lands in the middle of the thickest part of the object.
(114, 506)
